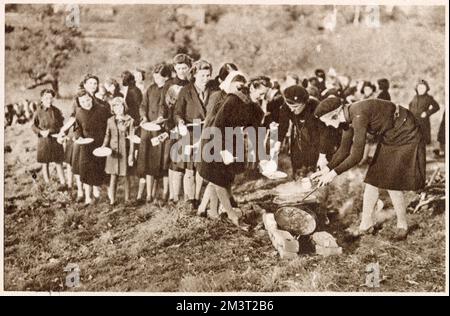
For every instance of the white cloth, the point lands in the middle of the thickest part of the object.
(225, 85)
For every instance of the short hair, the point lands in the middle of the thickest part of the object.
(87, 77)
(90, 76)
(182, 59)
(82, 93)
(128, 78)
(368, 84)
(119, 101)
(50, 91)
(163, 69)
(239, 78)
(201, 65)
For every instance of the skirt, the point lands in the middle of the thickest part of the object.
(150, 158)
(218, 173)
(400, 159)
(49, 150)
(425, 126)
(91, 168)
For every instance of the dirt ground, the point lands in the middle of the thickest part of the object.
(160, 249)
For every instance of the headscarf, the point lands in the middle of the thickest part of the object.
(225, 85)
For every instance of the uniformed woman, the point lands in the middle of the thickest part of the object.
(399, 161)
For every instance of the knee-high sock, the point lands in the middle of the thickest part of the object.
(370, 199)
(398, 201)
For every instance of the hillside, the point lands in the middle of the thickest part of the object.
(171, 250)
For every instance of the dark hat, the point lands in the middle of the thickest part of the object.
(295, 95)
(328, 105)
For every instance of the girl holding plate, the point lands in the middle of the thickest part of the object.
(89, 85)
(149, 160)
(119, 163)
(190, 107)
(180, 72)
(46, 124)
(90, 127)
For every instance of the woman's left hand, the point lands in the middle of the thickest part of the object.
(327, 178)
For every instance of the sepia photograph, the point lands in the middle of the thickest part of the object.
(246, 147)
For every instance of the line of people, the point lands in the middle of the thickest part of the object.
(184, 93)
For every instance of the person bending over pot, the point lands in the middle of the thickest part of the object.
(399, 161)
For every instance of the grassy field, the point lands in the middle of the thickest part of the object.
(151, 248)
